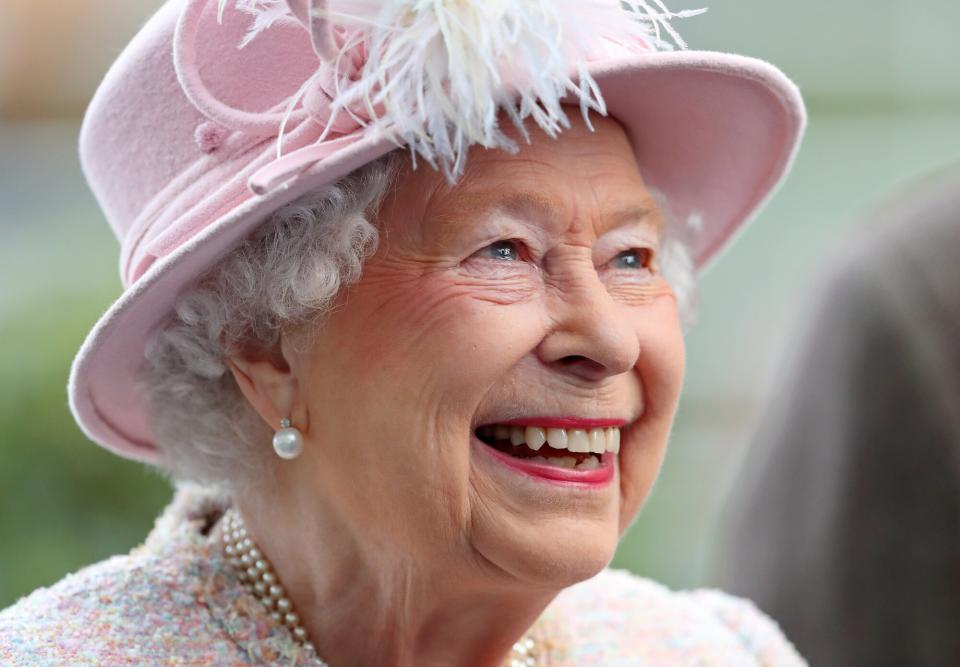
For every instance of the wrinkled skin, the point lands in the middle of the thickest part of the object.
(400, 540)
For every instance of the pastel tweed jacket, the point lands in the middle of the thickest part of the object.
(173, 601)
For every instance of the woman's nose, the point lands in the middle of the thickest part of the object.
(593, 337)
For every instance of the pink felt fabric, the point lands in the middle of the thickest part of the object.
(714, 132)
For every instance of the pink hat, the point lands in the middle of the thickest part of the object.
(215, 116)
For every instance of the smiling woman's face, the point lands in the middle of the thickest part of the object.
(528, 293)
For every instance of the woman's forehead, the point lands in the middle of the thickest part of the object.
(581, 176)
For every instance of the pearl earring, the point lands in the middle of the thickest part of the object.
(287, 441)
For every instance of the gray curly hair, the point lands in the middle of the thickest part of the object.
(287, 274)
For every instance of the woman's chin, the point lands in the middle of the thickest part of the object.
(542, 531)
(551, 555)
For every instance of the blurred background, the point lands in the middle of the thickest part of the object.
(883, 88)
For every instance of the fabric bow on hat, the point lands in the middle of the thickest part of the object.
(315, 97)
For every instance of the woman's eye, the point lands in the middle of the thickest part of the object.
(635, 258)
(505, 250)
(505, 257)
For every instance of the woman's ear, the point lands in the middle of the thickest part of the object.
(268, 383)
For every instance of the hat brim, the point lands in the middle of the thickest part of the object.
(714, 132)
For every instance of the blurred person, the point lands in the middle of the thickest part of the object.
(409, 411)
(845, 521)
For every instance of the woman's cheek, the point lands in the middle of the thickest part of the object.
(491, 327)
(484, 281)
(639, 292)
(662, 353)
(459, 332)
(660, 367)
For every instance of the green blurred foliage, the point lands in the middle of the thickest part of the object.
(63, 502)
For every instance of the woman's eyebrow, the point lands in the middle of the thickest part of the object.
(527, 204)
(634, 213)
(449, 216)
(535, 206)
(522, 203)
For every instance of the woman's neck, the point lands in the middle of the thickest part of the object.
(377, 606)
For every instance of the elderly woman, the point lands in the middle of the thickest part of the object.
(412, 397)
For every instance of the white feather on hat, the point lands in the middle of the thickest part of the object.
(433, 72)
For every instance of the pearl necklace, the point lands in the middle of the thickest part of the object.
(254, 570)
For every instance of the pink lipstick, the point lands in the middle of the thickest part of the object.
(597, 477)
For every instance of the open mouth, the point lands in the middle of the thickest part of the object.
(569, 448)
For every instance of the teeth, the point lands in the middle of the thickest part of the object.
(579, 440)
(594, 440)
(557, 437)
(534, 437)
(598, 440)
(613, 440)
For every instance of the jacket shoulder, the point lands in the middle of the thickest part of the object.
(132, 609)
(619, 617)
